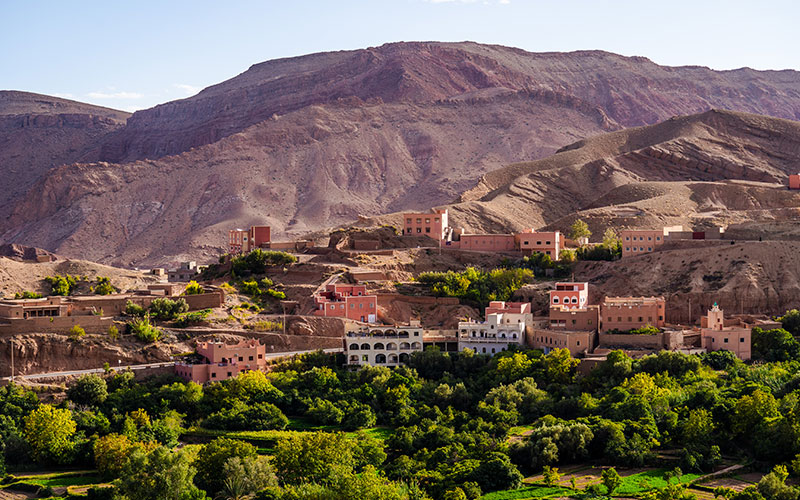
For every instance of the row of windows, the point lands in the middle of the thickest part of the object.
(241, 358)
(381, 358)
(561, 322)
(641, 238)
(419, 220)
(566, 300)
(725, 340)
(551, 341)
(391, 346)
(630, 319)
(353, 306)
(640, 249)
(539, 243)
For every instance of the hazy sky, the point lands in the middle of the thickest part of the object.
(135, 54)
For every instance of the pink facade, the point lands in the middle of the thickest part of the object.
(433, 224)
(718, 337)
(582, 320)
(794, 181)
(548, 243)
(247, 240)
(570, 295)
(637, 241)
(224, 361)
(498, 306)
(347, 301)
(487, 242)
(628, 313)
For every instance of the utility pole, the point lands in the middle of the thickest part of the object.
(12, 359)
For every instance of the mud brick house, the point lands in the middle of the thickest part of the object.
(223, 361)
(628, 313)
(247, 240)
(347, 301)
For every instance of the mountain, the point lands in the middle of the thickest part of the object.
(39, 132)
(310, 142)
(717, 167)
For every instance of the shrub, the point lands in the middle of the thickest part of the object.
(265, 326)
(193, 288)
(167, 309)
(61, 285)
(479, 287)
(104, 286)
(113, 332)
(132, 309)
(27, 295)
(275, 294)
(192, 318)
(257, 261)
(89, 390)
(76, 332)
(143, 330)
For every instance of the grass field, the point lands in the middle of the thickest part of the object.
(529, 492)
(645, 481)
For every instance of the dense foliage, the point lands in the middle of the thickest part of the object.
(476, 286)
(449, 425)
(257, 261)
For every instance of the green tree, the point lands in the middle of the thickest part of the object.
(773, 485)
(213, 456)
(550, 475)
(611, 480)
(143, 330)
(49, 432)
(104, 286)
(76, 332)
(243, 477)
(89, 390)
(791, 322)
(559, 365)
(579, 229)
(111, 454)
(610, 238)
(113, 332)
(312, 457)
(160, 474)
(165, 309)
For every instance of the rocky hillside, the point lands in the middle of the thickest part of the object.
(717, 167)
(40, 132)
(311, 142)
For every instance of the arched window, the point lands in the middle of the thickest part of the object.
(353, 347)
(403, 357)
(393, 358)
(365, 347)
(574, 300)
(555, 300)
(354, 358)
(391, 346)
(513, 335)
(380, 359)
(416, 345)
(404, 346)
(378, 345)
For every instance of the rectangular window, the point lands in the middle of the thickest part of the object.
(427, 221)
(725, 340)
(741, 339)
(427, 230)
(250, 358)
(408, 221)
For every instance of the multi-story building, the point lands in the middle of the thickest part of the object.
(570, 295)
(639, 241)
(491, 336)
(716, 335)
(487, 242)
(223, 361)
(347, 301)
(548, 243)
(586, 319)
(794, 181)
(628, 313)
(382, 345)
(576, 342)
(433, 224)
(247, 240)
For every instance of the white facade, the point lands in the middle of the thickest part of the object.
(382, 345)
(494, 335)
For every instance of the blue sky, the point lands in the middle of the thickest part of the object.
(136, 54)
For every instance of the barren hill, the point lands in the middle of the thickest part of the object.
(716, 167)
(40, 132)
(310, 142)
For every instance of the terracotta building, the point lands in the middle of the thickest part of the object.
(716, 335)
(382, 345)
(794, 181)
(586, 319)
(487, 242)
(576, 342)
(639, 241)
(223, 361)
(247, 240)
(571, 295)
(433, 224)
(347, 301)
(549, 243)
(628, 313)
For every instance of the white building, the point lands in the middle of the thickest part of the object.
(493, 335)
(382, 345)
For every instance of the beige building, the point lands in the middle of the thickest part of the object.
(717, 336)
(381, 345)
(494, 335)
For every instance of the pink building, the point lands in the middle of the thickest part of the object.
(718, 337)
(488, 242)
(498, 306)
(433, 224)
(548, 243)
(586, 319)
(794, 181)
(628, 313)
(223, 361)
(247, 240)
(570, 295)
(347, 301)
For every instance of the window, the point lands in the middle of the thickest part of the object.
(649, 249)
(408, 221)
(574, 300)
(361, 306)
(658, 238)
(627, 249)
(427, 230)
(661, 318)
(427, 221)
(649, 238)
(574, 322)
(627, 238)
(260, 356)
(230, 374)
(619, 319)
(546, 242)
(725, 340)
(333, 307)
(555, 300)
(741, 339)
(419, 221)
(352, 306)
(419, 229)
(435, 219)
(526, 242)
(579, 343)
(640, 319)
(538, 242)
(213, 375)
(250, 358)
(589, 322)
(371, 306)
(630, 319)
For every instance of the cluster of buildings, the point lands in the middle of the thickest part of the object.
(435, 225)
(338, 300)
(93, 313)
